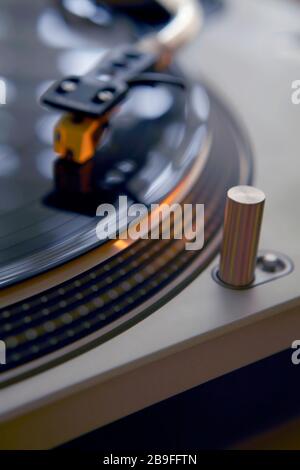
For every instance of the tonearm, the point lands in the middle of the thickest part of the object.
(88, 101)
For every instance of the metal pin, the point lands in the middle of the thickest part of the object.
(68, 86)
(105, 95)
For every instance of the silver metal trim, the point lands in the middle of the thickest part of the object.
(186, 24)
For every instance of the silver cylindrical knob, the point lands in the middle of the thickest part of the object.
(242, 224)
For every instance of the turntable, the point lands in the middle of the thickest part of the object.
(135, 104)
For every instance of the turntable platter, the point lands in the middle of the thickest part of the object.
(164, 143)
(89, 308)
